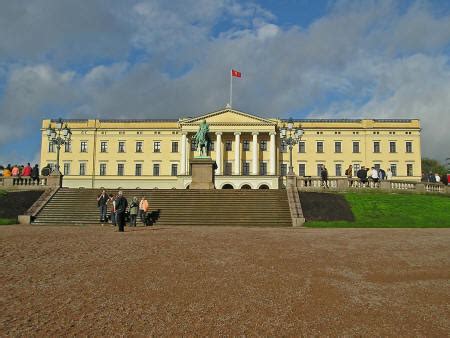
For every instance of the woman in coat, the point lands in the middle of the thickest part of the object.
(134, 205)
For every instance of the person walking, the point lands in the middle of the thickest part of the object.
(324, 177)
(121, 207)
(134, 205)
(35, 174)
(143, 207)
(102, 204)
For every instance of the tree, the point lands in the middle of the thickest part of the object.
(434, 166)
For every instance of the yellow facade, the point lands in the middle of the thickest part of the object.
(109, 153)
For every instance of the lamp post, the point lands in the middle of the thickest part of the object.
(290, 136)
(58, 136)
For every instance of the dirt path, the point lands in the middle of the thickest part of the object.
(235, 281)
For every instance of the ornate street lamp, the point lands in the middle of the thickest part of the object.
(290, 136)
(58, 136)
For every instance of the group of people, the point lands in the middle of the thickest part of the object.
(21, 174)
(434, 178)
(365, 175)
(120, 209)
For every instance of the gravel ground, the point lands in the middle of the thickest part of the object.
(224, 281)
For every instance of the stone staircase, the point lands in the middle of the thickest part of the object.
(177, 207)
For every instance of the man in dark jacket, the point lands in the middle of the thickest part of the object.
(102, 200)
(121, 207)
(362, 175)
(324, 177)
(35, 174)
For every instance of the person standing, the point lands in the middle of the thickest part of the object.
(134, 205)
(15, 174)
(112, 199)
(143, 207)
(35, 174)
(102, 201)
(26, 173)
(324, 177)
(389, 174)
(374, 175)
(121, 207)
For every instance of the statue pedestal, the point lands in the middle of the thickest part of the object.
(202, 171)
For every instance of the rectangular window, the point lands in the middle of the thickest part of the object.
(409, 147)
(301, 147)
(356, 167)
(320, 147)
(263, 168)
(337, 147)
(121, 147)
(68, 147)
(409, 169)
(120, 169)
(245, 168)
(174, 147)
(211, 146)
(338, 168)
(82, 169)
(66, 168)
(139, 146)
(283, 147)
(83, 146)
(356, 147)
(156, 146)
(301, 169)
(392, 147)
(319, 169)
(394, 169)
(228, 145)
(102, 169)
(103, 147)
(174, 169)
(283, 169)
(51, 147)
(155, 169)
(377, 166)
(376, 147)
(228, 168)
(138, 169)
(263, 145)
(245, 145)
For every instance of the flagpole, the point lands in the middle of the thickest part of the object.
(231, 88)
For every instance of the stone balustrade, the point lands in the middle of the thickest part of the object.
(26, 182)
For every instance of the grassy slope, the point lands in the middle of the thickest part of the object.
(381, 210)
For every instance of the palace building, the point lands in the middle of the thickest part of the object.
(247, 149)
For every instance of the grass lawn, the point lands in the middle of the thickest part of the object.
(7, 221)
(382, 210)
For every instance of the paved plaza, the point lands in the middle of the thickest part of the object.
(67, 280)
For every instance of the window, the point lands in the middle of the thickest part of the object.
(121, 147)
(102, 169)
(83, 146)
(82, 169)
(263, 168)
(392, 147)
(211, 146)
(68, 147)
(376, 147)
(51, 147)
(156, 146)
(337, 147)
(263, 145)
(66, 168)
(394, 169)
(139, 146)
(283, 147)
(174, 169)
(377, 166)
(103, 147)
(120, 169)
(301, 147)
(245, 145)
(338, 168)
(409, 147)
(320, 147)
(283, 169)
(138, 169)
(245, 168)
(174, 147)
(319, 169)
(301, 169)
(228, 146)
(356, 147)
(155, 169)
(409, 169)
(228, 168)
(356, 167)
(52, 166)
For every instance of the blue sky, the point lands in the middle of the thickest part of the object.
(156, 59)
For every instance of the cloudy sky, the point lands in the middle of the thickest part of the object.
(171, 58)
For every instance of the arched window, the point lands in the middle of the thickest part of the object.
(227, 186)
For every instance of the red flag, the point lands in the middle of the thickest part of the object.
(235, 73)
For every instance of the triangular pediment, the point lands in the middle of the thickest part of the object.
(228, 116)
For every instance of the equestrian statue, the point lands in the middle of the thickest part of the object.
(202, 140)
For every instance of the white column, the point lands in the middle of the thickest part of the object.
(237, 153)
(183, 154)
(272, 153)
(255, 154)
(218, 148)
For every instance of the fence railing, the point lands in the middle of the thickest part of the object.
(26, 182)
(353, 184)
